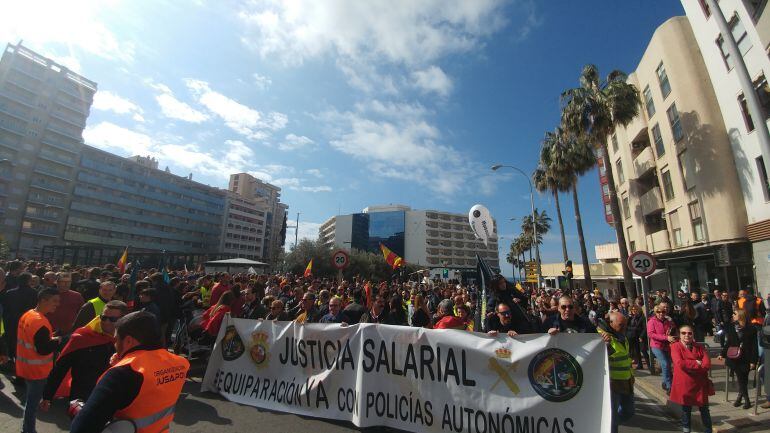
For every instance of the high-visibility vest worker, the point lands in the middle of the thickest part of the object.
(30, 364)
(163, 375)
(619, 359)
(98, 304)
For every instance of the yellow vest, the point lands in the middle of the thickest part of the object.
(619, 360)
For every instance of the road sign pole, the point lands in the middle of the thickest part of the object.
(646, 303)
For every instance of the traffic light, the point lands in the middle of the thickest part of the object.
(568, 269)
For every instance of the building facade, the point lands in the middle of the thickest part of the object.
(128, 202)
(428, 238)
(677, 184)
(243, 231)
(749, 22)
(268, 197)
(43, 111)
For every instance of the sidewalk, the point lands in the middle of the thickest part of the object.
(725, 417)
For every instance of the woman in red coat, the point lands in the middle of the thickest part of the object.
(691, 385)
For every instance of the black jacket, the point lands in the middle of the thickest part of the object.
(747, 339)
(116, 390)
(86, 366)
(89, 288)
(580, 324)
(368, 317)
(637, 327)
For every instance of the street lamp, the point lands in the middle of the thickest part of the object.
(532, 206)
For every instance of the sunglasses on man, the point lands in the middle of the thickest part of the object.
(567, 307)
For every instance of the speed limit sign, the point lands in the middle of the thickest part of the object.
(340, 260)
(641, 263)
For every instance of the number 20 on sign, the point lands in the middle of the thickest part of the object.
(641, 263)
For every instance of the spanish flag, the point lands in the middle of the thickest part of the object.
(309, 269)
(123, 261)
(392, 258)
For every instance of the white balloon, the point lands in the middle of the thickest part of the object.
(481, 223)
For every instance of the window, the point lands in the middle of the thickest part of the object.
(660, 149)
(741, 39)
(632, 246)
(614, 143)
(755, 8)
(626, 208)
(621, 176)
(763, 94)
(668, 187)
(697, 221)
(762, 170)
(705, 7)
(607, 209)
(602, 170)
(676, 229)
(648, 102)
(687, 167)
(665, 86)
(673, 120)
(606, 190)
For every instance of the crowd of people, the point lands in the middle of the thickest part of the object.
(67, 319)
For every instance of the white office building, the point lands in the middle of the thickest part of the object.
(428, 238)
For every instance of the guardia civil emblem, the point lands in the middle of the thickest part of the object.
(231, 344)
(259, 351)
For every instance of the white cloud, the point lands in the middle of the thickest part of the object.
(397, 141)
(433, 79)
(232, 156)
(322, 188)
(238, 117)
(69, 61)
(262, 82)
(71, 24)
(399, 31)
(172, 107)
(315, 172)
(363, 36)
(294, 142)
(108, 101)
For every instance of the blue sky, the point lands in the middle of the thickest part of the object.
(345, 104)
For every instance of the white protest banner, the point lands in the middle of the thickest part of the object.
(415, 379)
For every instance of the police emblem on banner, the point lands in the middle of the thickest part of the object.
(232, 345)
(555, 375)
(259, 351)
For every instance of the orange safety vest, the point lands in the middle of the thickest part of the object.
(163, 375)
(757, 319)
(30, 364)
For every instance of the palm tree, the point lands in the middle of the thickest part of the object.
(543, 225)
(593, 111)
(569, 157)
(552, 178)
(518, 246)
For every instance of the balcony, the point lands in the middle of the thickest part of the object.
(36, 183)
(19, 114)
(59, 145)
(658, 242)
(48, 171)
(644, 162)
(12, 127)
(29, 70)
(39, 232)
(63, 132)
(79, 108)
(44, 217)
(59, 159)
(651, 201)
(22, 99)
(78, 123)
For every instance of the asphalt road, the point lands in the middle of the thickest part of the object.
(208, 413)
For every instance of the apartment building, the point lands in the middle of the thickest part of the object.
(429, 238)
(677, 183)
(128, 202)
(749, 23)
(269, 198)
(43, 111)
(243, 231)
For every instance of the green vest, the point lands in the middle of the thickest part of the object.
(620, 362)
(98, 304)
(205, 296)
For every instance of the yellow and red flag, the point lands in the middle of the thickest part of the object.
(309, 269)
(123, 261)
(392, 258)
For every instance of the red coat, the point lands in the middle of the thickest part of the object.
(691, 385)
